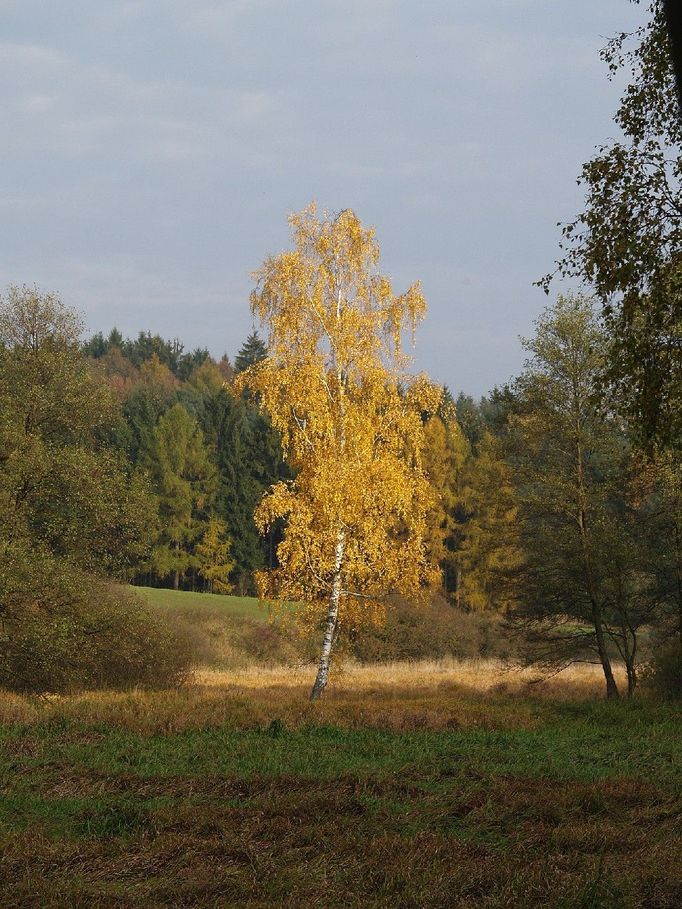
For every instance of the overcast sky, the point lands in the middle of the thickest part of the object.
(152, 150)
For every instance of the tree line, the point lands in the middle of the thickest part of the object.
(316, 468)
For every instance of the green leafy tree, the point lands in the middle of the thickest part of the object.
(581, 582)
(72, 511)
(626, 243)
(59, 486)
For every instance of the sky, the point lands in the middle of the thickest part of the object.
(151, 150)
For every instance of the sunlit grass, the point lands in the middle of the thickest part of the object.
(186, 599)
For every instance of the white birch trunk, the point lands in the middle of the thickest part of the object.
(332, 620)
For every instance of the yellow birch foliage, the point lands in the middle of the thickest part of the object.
(350, 418)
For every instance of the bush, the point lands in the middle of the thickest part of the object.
(65, 631)
(431, 632)
(663, 675)
(217, 638)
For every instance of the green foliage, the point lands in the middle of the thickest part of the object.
(489, 556)
(252, 351)
(145, 348)
(64, 630)
(626, 242)
(589, 557)
(60, 488)
(663, 675)
(71, 511)
(184, 481)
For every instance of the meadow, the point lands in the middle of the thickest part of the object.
(432, 784)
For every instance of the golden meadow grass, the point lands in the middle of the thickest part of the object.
(399, 696)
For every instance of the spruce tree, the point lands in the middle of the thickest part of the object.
(253, 350)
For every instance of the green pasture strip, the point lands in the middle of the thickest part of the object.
(186, 599)
(586, 745)
(579, 812)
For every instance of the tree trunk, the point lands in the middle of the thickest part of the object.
(597, 619)
(678, 567)
(332, 620)
(612, 692)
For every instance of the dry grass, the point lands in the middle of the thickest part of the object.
(445, 694)
(482, 676)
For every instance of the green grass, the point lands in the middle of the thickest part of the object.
(249, 607)
(580, 810)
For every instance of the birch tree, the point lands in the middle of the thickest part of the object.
(335, 386)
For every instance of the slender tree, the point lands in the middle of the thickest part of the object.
(335, 387)
(213, 558)
(627, 242)
(567, 452)
(489, 556)
(183, 479)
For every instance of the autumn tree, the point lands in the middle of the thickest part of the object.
(445, 453)
(335, 387)
(213, 559)
(488, 557)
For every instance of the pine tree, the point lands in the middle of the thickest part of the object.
(252, 351)
(489, 554)
(445, 453)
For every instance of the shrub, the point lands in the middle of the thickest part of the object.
(215, 637)
(663, 675)
(64, 631)
(431, 632)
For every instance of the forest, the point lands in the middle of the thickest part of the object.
(132, 460)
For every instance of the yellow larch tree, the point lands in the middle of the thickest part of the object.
(489, 555)
(336, 387)
(445, 455)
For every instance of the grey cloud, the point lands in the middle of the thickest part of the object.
(152, 150)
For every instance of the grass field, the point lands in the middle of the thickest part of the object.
(431, 785)
(186, 600)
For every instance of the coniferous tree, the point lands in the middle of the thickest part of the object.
(184, 480)
(252, 351)
(489, 555)
(213, 559)
(445, 453)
